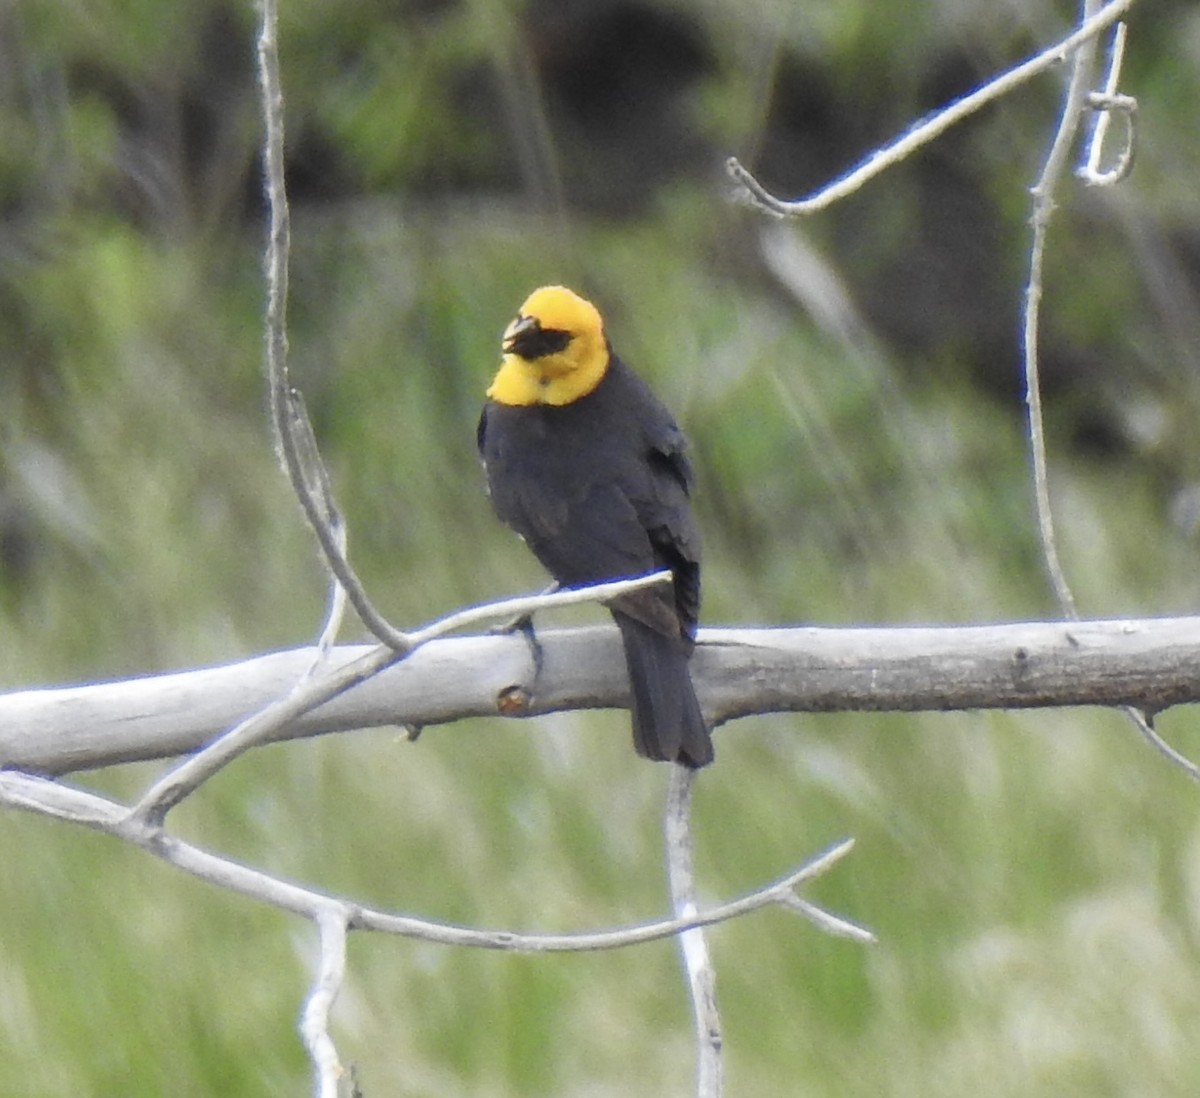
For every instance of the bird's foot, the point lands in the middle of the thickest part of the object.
(520, 622)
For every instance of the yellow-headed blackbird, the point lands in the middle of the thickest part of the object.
(589, 468)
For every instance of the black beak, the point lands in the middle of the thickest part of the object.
(526, 337)
(518, 334)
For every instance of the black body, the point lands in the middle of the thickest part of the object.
(598, 488)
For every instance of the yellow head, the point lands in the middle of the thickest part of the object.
(554, 351)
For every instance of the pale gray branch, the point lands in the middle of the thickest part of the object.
(181, 781)
(693, 947)
(834, 925)
(312, 688)
(1144, 723)
(1076, 101)
(332, 923)
(931, 128)
(1074, 104)
(292, 431)
(66, 802)
(1150, 663)
(1106, 103)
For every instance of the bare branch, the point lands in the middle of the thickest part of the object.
(1074, 103)
(830, 924)
(183, 780)
(1081, 44)
(64, 802)
(1150, 663)
(933, 127)
(332, 923)
(1145, 725)
(1107, 103)
(318, 486)
(524, 605)
(293, 434)
(693, 948)
(309, 692)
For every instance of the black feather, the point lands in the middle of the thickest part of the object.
(599, 489)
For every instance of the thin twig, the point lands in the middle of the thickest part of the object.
(316, 478)
(524, 605)
(1145, 725)
(335, 613)
(904, 146)
(1106, 104)
(1074, 103)
(64, 802)
(834, 925)
(693, 948)
(301, 461)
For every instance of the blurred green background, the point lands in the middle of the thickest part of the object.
(851, 387)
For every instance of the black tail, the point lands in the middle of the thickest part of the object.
(667, 723)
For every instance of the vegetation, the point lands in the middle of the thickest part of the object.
(1033, 879)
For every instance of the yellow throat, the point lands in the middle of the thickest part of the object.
(554, 351)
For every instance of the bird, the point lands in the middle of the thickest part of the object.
(586, 464)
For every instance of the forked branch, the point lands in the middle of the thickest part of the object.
(311, 691)
(68, 803)
(928, 130)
